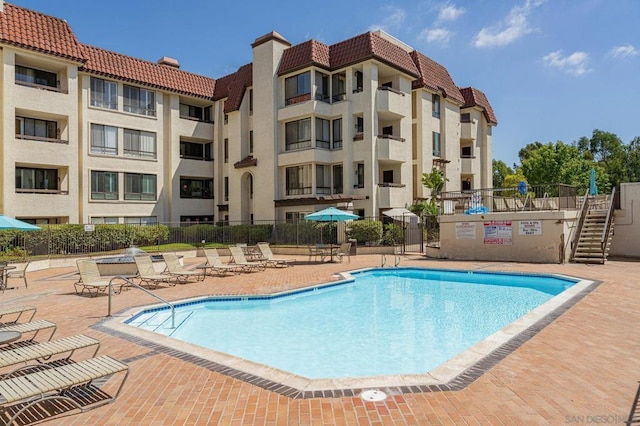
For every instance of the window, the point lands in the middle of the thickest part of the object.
(32, 76)
(387, 176)
(298, 134)
(104, 94)
(323, 179)
(45, 180)
(339, 87)
(196, 150)
(139, 144)
(359, 124)
(337, 133)
(295, 217)
(197, 219)
(298, 180)
(139, 101)
(197, 113)
(358, 82)
(250, 101)
(226, 150)
(360, 175)
(104, 139)
(387, 131)
(139, 186)
(104, 185)
(27, 128)
(466, 152)
(465, 117)
(323, 133)
(466, 184)
(435, 105)
(322, 87)
(337, 179)
(250, 141)
(196, 188)
(144, 220)
(226, 188)
(100, 220)
(226, 119)
(297, 88)
(436, 144)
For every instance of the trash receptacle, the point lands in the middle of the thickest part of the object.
(354, 245)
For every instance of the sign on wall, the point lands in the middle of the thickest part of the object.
(498, 232)
(530, 227)
(465, 231)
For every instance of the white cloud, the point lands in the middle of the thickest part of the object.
(623, 51)
(393, 21)
(449, 12)
(512, 27)
(575, 64)
(436, 35)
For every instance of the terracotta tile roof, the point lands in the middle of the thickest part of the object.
(242, 79)
(304, 55)
(435, 77)
(126, 68)
(222, 86)
(36, 31)
(474, 97)
(357, 49)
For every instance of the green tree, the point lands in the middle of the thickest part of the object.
(434, 181)
(607, 150)
(632, 160)
(512, 181)
(500, 172)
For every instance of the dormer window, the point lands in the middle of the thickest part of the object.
(435, 103)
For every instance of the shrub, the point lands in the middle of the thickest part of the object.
(392, 234)
(365, 231)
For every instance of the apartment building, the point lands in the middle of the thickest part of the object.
(101, 137)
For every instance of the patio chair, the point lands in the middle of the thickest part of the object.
(12, 310)
(175, 269)
(74, 386)
(26, 328)
(214, 264)
(344, 250)
(19, 272)
(270, 259)
(237, 255)
(315, 252)
(148, 275)
(90, 279)
(42, 352)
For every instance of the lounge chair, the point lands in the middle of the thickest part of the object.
(344, 250)
(12, 310)
(514, 204)
(31, 327)
(270, 259)
(90, 279)
(148, 275)
(19, 272)
(40, 352)
(214, 264)
(74, 386)
(499, 205)
(237, 255)
(175, 269)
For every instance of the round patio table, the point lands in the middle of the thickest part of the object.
(9, 336)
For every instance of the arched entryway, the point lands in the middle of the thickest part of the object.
(246, 197)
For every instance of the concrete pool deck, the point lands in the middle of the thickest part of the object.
(581, 366)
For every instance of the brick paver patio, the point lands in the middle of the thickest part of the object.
(581, 368)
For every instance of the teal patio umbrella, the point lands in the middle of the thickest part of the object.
(7, 222)
(593, 188)
(331, 214)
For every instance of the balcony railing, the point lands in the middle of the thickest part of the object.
(391, 89)
(298, 98)
(42, 191)
(41, 87)
(302, 190)
(42, 139)
(392, 137)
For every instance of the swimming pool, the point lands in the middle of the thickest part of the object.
(379, 322)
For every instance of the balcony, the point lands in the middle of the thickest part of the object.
(469, 130)
(469, 165)
(392, 148)
(391, 195)
(392, 103)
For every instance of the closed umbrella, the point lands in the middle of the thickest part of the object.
(331, 214)
(593, 188)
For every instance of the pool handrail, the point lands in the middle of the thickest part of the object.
(129, 282)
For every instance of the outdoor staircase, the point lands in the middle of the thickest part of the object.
(590, 247)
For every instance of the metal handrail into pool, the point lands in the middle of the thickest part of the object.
(128, 281)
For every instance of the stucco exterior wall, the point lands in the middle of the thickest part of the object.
(626, 227)
(537, 237)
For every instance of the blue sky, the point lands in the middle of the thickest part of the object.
(552, 70)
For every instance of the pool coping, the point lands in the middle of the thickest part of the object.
(453, 375)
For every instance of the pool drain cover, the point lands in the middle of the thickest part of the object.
(373, 395)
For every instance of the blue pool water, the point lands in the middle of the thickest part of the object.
(384, 322)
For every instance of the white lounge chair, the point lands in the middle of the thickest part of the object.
(12, 310)
(90, 279)
(35, 327)
(175, 269)
(214, 264)
(148, 275)
(270, 259)
(238, 259)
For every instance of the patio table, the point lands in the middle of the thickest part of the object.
(3, 275)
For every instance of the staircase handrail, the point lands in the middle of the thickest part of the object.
(605, 232)
(582, 214)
